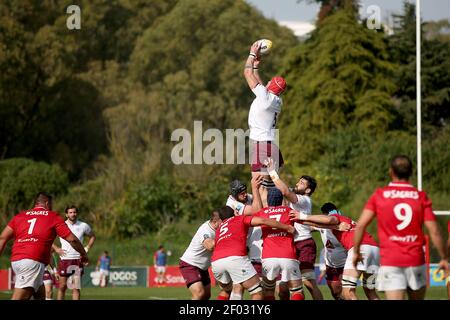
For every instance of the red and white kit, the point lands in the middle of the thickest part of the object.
(229, 260)
(401, 210)
(278, 253)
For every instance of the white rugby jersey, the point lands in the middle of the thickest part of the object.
(254, 243)
(239, 206)
(196, 254)
(79, 229)
(302, 232)
(263, 114)
(335, 254)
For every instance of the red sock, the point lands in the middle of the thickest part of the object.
(220, 297)
(298, 296)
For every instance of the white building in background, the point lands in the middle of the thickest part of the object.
(300, 29)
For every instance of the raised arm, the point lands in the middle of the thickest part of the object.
(249, 75)
(256, 203)
(288, 194)
(256, 64)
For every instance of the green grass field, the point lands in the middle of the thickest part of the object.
(433, 293)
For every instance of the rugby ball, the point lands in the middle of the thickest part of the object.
(266, 45)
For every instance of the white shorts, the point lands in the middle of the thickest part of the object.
(401, 278)
(104, 272)
(234, 269)
(371, 259)
(160, 269)
(29, 273)
(288, 268)
(48, 282)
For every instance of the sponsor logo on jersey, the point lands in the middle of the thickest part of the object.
(37, 213)
(400, 194)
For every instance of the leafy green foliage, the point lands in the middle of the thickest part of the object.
(101, 103)
(21, 179)
(339, 76)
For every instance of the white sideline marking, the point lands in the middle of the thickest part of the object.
(442, 213)
(159, 298)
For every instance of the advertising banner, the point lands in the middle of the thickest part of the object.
(437, 279)
(119, 276)
(172, 277)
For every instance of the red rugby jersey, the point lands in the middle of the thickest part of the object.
(346, 237)
(34, 233)
(277, 243)
(401, 210)
(231, 237)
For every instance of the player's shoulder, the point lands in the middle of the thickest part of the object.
(82, 224)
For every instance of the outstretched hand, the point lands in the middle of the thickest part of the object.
(297, 216)
(255, 49)
(270, 164)
(257, 181)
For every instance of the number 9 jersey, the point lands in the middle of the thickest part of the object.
(401, 210)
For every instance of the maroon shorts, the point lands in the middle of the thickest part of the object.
(193, 274)
(334, 274)
(48, 276)
(306, 251)
(258, 268)
(66, 268)
(261, 150)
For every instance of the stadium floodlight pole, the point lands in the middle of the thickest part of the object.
(418, 98)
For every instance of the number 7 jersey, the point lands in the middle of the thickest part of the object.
(401, 210)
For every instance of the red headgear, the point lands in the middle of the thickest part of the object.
(277, 85)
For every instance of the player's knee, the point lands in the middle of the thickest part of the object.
(254, 289)
(369, 282)
(268, 285)
(349, 282)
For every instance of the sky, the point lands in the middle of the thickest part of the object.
(290, 10)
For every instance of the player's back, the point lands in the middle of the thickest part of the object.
(34, 233)
(196, 254)
(401, 210)
(277, 243)
(231, 237)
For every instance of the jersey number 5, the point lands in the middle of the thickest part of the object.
(223, 229)
(32, 222)
(403, 212)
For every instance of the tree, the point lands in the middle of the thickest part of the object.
(341, 75)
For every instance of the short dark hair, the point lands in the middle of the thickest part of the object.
(214, 215)
(105, 252)
(160, 247)
(71, 207)
(312, 183)
(226, 212)
(328, 207)
(274, 197)
(401, 166)
(42, 197)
